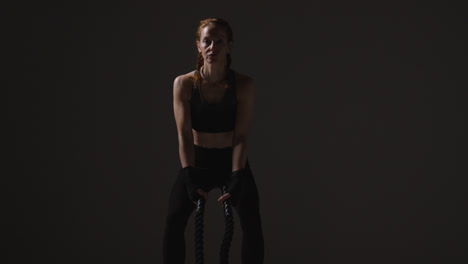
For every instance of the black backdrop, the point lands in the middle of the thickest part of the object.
(354, 143)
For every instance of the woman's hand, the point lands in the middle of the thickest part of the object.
(202, 193)
(222, 198)
(233, 185)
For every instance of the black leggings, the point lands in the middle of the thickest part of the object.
(218, 160)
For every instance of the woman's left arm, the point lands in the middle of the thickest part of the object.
(244, 115)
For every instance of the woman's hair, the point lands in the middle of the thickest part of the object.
(227, 28)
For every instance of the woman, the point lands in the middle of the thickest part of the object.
(213, 109)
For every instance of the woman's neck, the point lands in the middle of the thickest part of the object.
(212, 73)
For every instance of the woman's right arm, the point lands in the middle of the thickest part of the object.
(181, 90)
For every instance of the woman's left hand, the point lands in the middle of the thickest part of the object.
(233, 184)
(222, 198)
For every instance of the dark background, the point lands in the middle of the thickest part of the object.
(354, 145)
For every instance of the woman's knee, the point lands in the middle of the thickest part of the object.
(248, 203)
(179, 212)
(177, 220)
(250, 220)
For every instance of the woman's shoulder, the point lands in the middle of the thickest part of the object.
(186, 77)
(183, 83)
(243, 81)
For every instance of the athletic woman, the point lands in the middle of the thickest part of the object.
(213, 109)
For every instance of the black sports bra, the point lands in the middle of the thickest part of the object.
(217, 117)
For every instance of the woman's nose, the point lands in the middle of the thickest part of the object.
(212, 45)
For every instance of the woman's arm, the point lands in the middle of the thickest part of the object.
(244, 115)
(181, 90)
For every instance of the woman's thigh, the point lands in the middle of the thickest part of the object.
(180, 204)
(248, 199)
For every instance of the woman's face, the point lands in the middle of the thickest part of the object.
(213, 44)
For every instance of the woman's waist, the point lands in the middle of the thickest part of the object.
(213, 140)
(213, 158)
(210, 175)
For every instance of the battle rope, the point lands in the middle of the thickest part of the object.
(199, 231)
(228, 230)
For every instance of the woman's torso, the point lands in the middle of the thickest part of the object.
(213, 94)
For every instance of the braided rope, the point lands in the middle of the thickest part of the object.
(228, 230)
(199, 231)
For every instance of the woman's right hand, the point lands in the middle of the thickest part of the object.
(193, 188)
(203, 193)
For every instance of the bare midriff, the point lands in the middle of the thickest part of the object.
(212, 140)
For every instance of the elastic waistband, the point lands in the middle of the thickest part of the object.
(220, 158)
(225, 150)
